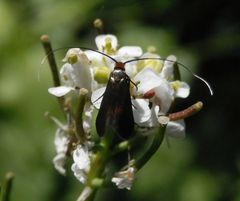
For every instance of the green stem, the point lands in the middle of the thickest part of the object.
(124, 145)
(51, 59)
(157, 140)
(176, 72)
(80, 134)
(98, 164)
(7, 187)
(88, 194)
(53, 66)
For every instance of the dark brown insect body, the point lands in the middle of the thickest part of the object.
(116, 107)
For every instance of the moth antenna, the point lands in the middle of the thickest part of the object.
(203, 80)
(185, 67)
(83, 48)
(134, 84)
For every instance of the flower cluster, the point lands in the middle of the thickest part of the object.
(156, 88)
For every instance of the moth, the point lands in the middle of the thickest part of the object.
(116, 106)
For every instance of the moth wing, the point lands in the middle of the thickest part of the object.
(116, 110)
(125, 119)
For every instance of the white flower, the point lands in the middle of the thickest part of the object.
(168, 67)
(88, 118)
(124, 179)
(99, 63)
(156, 88)
(61, 142)
(106, 43)
(81, 164)
(176, 129)
(181, 89)
(75, 74)
(162, 98)
(129, 52)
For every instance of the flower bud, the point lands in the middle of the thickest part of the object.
(72, 59)
(101, 75)
(151, 49)
(98, 23)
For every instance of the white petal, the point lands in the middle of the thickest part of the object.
(122, 183)
(94, 57)
(77, 74)
(88, 111)
(167, 71)
(100, 41)
(61, 141)
(99, 60)
(148, 80)
(153, 120)
(81, 75)
(130, 51)
(71, 51)
(79, 173)
(97, 96)
(66, 75)
(124, 179)
(81, 164)
(60, 91)
(150, 55)
(117, 181)
(183, 90)
(141, 111)
(81, 157)
(130, 69)
(176, 129)
(59, 162)
(163, 96)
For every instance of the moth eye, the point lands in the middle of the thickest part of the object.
(112, 79)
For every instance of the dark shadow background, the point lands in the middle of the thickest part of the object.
(204, 35)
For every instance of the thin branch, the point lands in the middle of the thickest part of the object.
(157, 140)
(80, 134)
(53, 66)
(7, 187)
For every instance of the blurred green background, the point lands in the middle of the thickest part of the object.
(204, 35)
